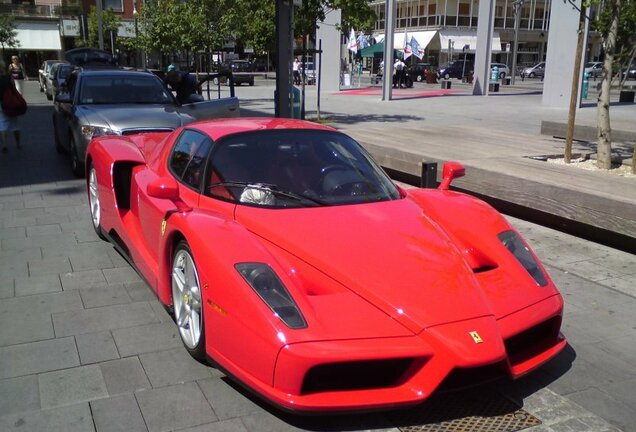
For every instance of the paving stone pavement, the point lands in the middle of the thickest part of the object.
(86, 346)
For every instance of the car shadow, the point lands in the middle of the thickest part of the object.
(37, 161)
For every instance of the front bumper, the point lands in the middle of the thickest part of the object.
(366, 374)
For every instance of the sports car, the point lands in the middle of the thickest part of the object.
(292, 262)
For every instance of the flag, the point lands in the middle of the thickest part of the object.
(407, 46)
(363, 41)
(353, 43)
(415, 46)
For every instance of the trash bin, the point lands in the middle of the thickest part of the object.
(626, 96)
(506, 80)
(446, 84)
(493, 87)
(295, 102)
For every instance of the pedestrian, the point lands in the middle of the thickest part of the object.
(16, 71)
(399, 72)
(296, 69)
(7, 124)
(185, 85)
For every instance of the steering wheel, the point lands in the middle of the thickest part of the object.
(340, 180)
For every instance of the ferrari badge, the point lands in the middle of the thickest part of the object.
(476, 338)
(164, 224)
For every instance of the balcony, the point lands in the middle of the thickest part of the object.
(39, 11)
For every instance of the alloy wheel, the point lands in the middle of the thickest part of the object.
(93, 198)
(186, 296)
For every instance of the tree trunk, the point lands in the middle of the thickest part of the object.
(604, 151)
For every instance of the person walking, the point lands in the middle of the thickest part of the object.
(16, 71)
(7, 124)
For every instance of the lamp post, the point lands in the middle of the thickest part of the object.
(136, 33)
(517, 5)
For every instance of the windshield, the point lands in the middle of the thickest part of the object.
(296, 168)
(118, 89)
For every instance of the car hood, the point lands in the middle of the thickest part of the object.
(120, 117)
(389, 253)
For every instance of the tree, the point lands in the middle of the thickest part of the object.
(8, 33)
(110, 22)
(255, 23)
(616, 24)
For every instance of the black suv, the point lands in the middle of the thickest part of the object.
(242, 71)
(456, 69)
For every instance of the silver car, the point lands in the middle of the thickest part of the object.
(122, 102)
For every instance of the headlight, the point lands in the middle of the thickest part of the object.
(517, 247)
(272, 291)
(95, 131)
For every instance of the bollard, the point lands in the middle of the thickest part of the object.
(428, 179)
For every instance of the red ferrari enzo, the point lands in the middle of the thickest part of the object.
(292, 261)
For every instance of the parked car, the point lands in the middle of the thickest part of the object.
(56, 78)
(256, 233)
(502, 69)
(122, 102)
(44, 70)
(594, 69)
(538, 70)
(418, 71)
(242, 71)
(309, 73)
(456, 69)
(631, 72)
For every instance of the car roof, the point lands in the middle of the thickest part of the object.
(114, 72)
(220, 128)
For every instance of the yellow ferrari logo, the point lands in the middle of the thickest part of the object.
(164, 224)
(476, 338)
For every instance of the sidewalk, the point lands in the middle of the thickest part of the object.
(498, 139)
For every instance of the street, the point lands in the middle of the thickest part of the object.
(86, 346)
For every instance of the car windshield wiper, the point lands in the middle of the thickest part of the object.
(275, 189)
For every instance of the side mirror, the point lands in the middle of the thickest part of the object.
(163, 188)
(63, 98)
(451, 171)
(167, 188)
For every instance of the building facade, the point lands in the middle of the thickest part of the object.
(448, 28)
(47, 28)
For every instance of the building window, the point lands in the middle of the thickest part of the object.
(115, 5)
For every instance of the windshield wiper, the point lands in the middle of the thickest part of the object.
(275, 189)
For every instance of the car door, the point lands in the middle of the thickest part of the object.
(186, 163)
(211, 109)
(64, 113)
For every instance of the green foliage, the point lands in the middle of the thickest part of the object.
(626, 34)
(7, 32)
(110, 22)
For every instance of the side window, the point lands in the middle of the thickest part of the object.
(187, 161)
(70, 84)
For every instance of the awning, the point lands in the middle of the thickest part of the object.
(460, 39)
(376, 51)
(422, 37)
(38, 35)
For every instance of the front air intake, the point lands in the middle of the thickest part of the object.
(357, 375)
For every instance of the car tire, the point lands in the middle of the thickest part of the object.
(419, 78)
(188, 301)
(446, 76)
(215, 81)
(502, 75)
(94, 203)
(77, 163)
(49, 97)
(531, 75)
(251, 83)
